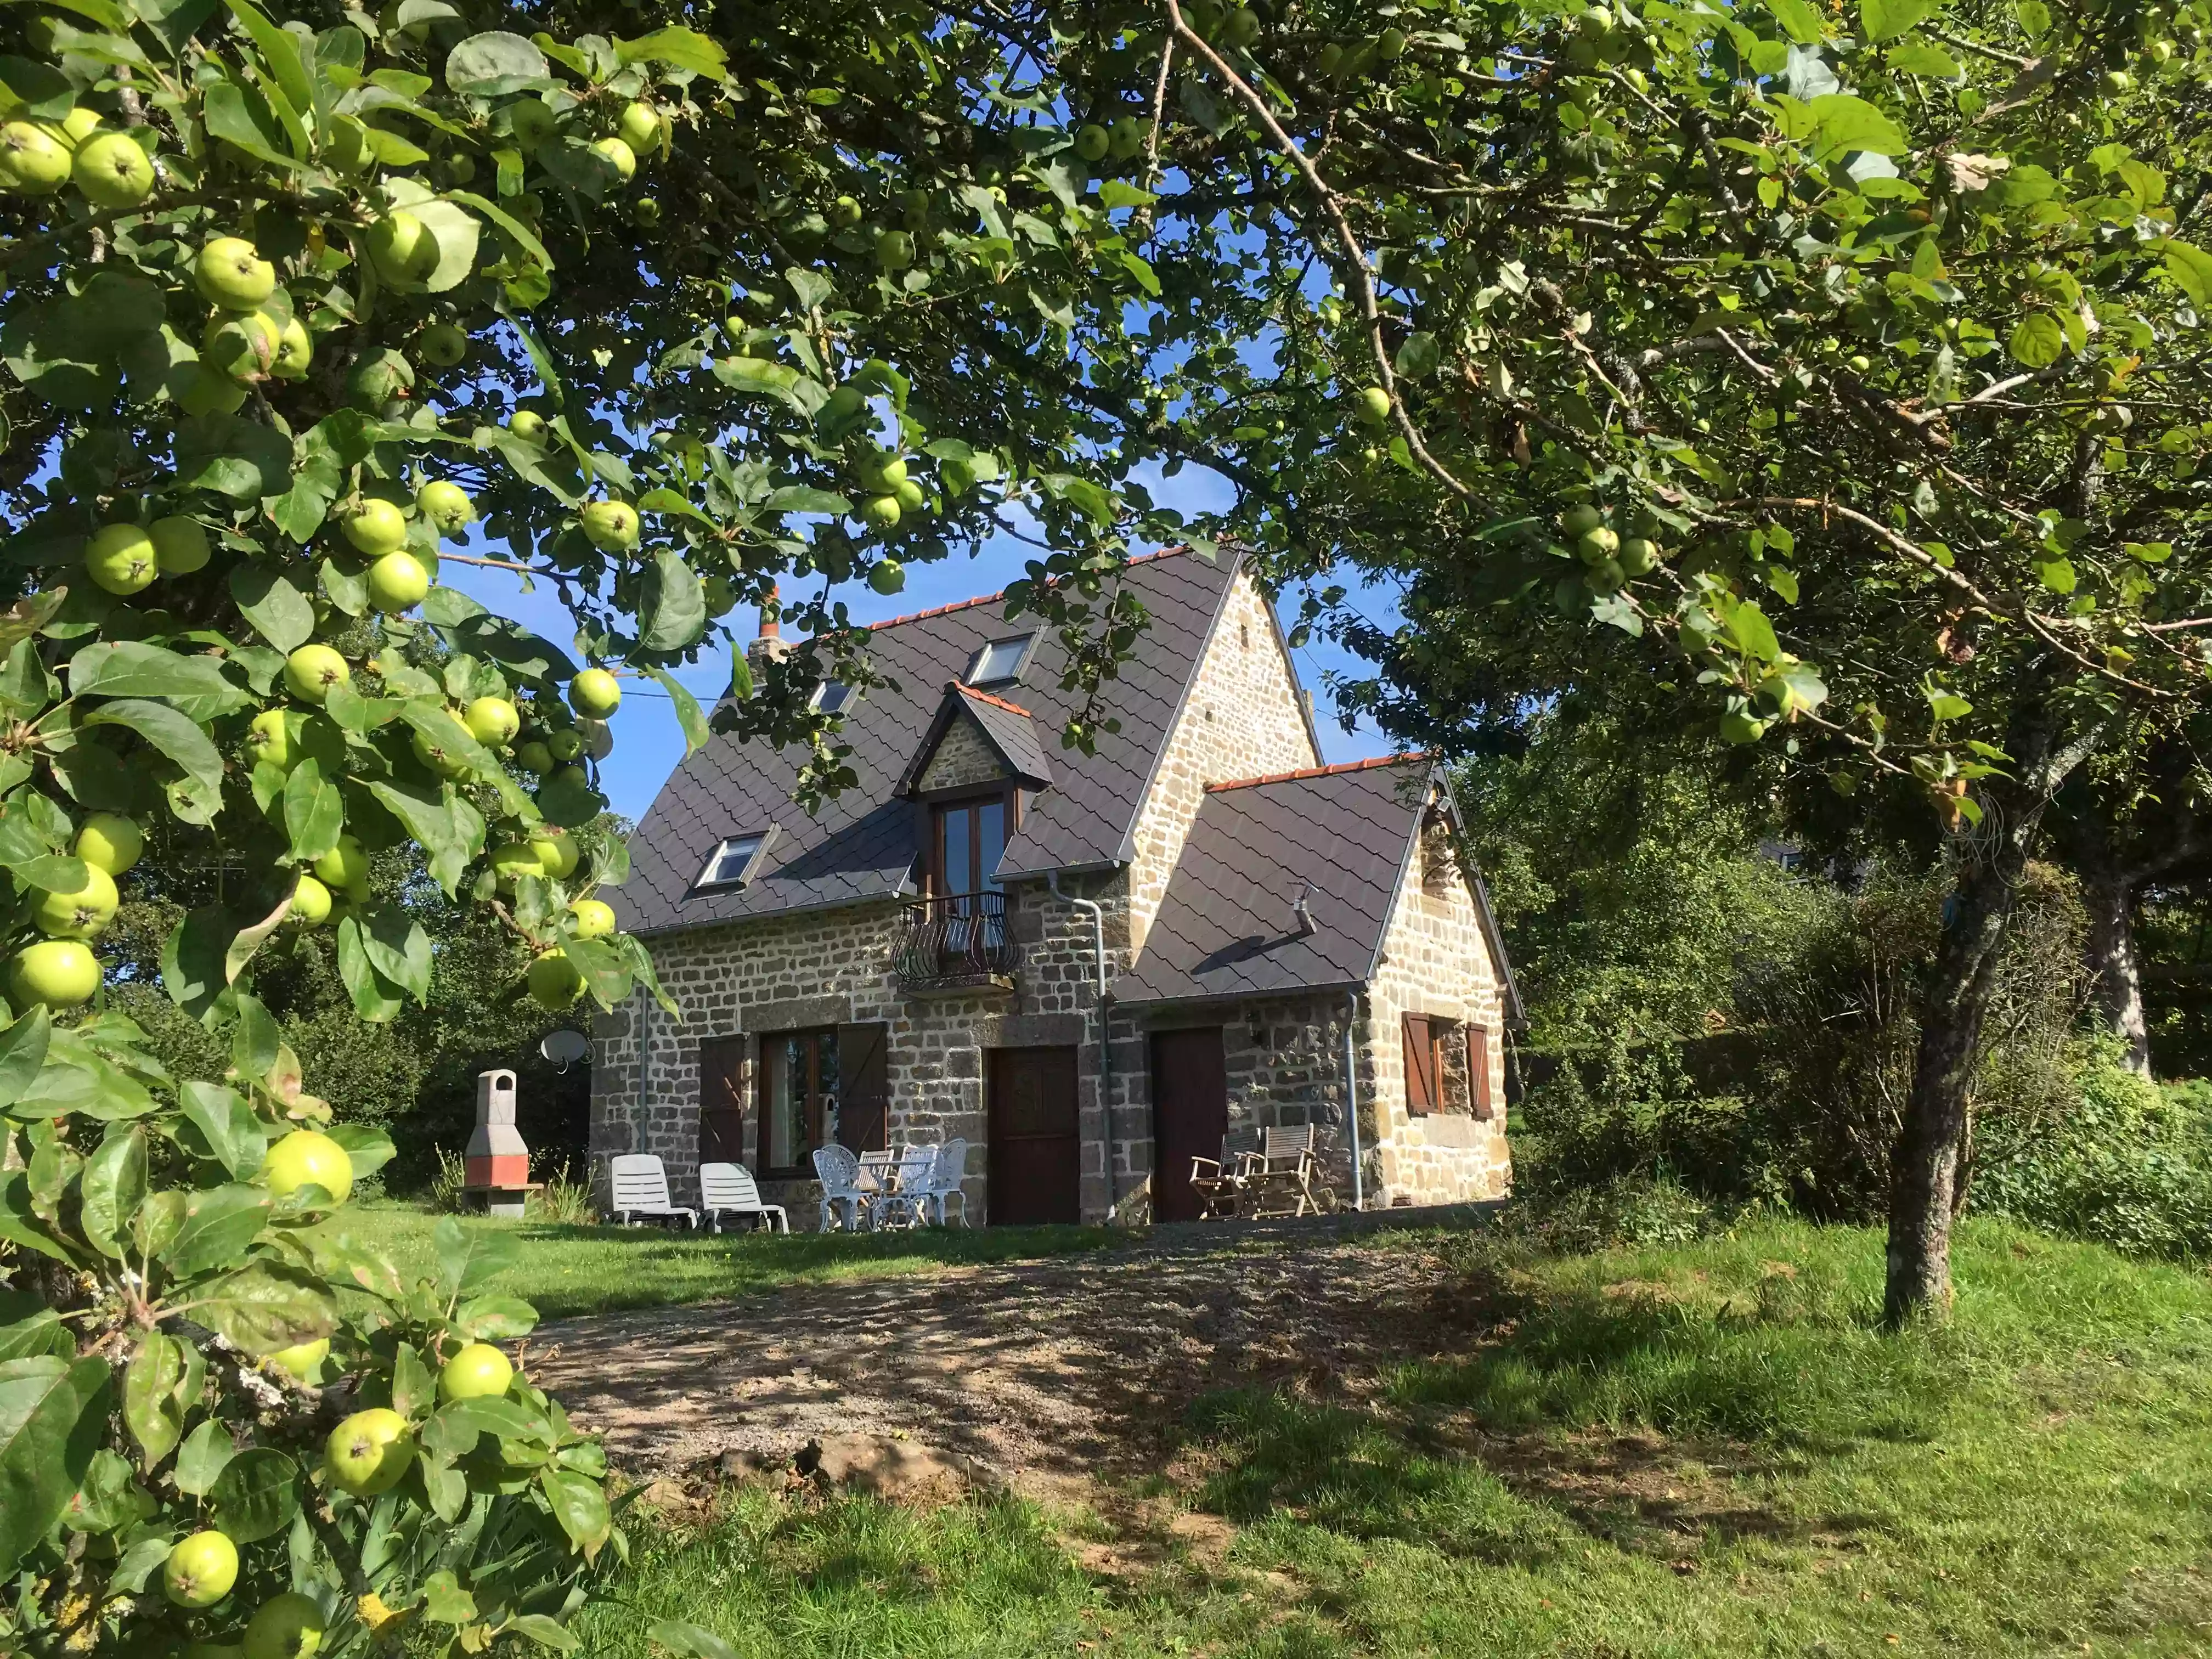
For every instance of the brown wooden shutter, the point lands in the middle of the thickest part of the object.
(722, 1100)
(1477, 1070)
(1421, 1091)
(864, 1088)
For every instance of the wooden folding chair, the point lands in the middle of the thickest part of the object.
(1220, 1182)
(1287, 1181)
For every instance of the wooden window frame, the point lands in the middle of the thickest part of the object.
(934, 812)
(1478, 1072)
(1423, 1061)
(816, 1115)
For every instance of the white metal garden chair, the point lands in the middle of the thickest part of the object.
(906, 1204)
(945, 1182)
(640, 1192)
(839, 1172)
(730, 1189)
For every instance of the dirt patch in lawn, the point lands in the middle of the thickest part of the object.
(1035, 1373)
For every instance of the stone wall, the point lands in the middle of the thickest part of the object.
(964, 757)
(1242, 720)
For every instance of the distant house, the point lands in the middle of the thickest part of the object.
(923, 960)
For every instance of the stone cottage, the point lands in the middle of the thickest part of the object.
(1088, 966)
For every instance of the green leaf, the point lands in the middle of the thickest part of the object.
(1919, 57)
(207, 1451)
(268, 1305)
(469, 1257)
(53, 1417)
(196, 797)
(445, 1602)
(681, 1638)
(671, 607)
(195, 959)
(156, 1396)
(242, 459)
(107, 1500)
(282, 51)
(279, 612)
(678, 48)
(368, 1146)
(544, 1630)
(413, 1388)
(456, 235)
(373, 1000)
(113, 1185)
(1799, 21)
(1884, 20)
(195, 686)
(1419, 356)
(2038, 341)
(28, 1328)
(580, 1506)
(1754, 635)
(494, 64)
(2190, 268)
(605, 970)
(224, 1125)
(237, 118)
(399, 950)
(1845, 122)
(23, 1051)
(257, 1494)
(314, 811)
(495, 1318)
(689, 715)
(2034, 18)
(219, 1225)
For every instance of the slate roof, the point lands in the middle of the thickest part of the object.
(1343, 835)
(1008, 727)
(862, 844)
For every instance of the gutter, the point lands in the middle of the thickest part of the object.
(1105, 1037)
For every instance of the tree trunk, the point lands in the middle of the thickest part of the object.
(2118, 997)
(1924, 1171)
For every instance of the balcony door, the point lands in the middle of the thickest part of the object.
(968, 839)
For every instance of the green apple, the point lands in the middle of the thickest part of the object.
(532, 122)
(58, 972)
(311, 902)
(619, 155)
(1639, 556)
(894, 250)
(1127, 137)
(287, 1626)
(402, 248)
(345, 865)
(882, 473)
(880, 512)
(595, 918)
(479, 1371)
(296, 349)
(888, 577)
(377, 526)
(1241, 27)
(845, 212)
(73, 129)
(1391, 44)
(112, 171)
(241, 344)
(847, 401)
(514, 860)
(594, 694)
(528, 425)
(81, 913)
(268, 738)
(308, 1157)
(303, 1361)
(110, 843)
(202, 1567)
(207, 392)
(180, 546)
(443, 345)
(397, 582)
(639, 127)
(122, 558)
(231, 273)
(1578, 522)
(610, 526)
(565, 777)
(554, 852)
(721, 598)
(1092, 141)
(33, 162)
(493, 721)
(1596, 546)
(534, 757)
(566, 744)
(1737, 726)
(957, 475)
(312, 670)
(554, 983)
(910, 498)
(1373, 407)
(445, 505)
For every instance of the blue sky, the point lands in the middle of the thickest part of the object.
(648, 745)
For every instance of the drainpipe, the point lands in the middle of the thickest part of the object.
(1105, 1044)
(1352, 1101)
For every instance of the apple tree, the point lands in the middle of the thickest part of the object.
(302, 313)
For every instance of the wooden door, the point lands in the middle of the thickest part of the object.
(1190, 1114)
(864, 1098)
(722, 1100)
(1036, 1160)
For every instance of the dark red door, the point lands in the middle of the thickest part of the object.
(1190, 1114)
(1036, 1163)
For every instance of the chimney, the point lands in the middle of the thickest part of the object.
(769, 646)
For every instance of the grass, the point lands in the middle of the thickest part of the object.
(1701, 1449)
(568, 1270)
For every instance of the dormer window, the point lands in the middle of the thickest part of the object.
(833, 696)
(1001, 662)
(731, 863)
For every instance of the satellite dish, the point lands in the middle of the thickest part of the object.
(565, 1048)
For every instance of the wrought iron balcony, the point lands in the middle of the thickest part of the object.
(958, 942)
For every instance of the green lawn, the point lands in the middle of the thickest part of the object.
(1695, 1451)
(567, 1270)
